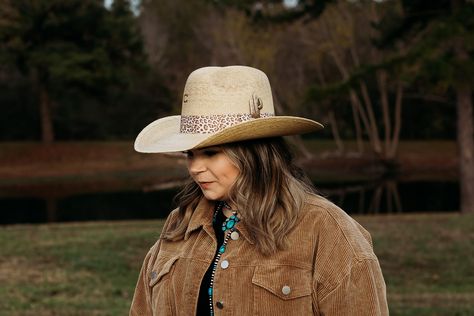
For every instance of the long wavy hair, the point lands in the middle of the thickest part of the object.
(269, 193)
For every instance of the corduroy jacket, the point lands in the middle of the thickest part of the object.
(328, 269)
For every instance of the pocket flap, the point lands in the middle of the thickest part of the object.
(161, 267)
(286, 282)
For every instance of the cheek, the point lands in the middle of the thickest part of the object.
(224, 170)
(234, 173)
(231, 173)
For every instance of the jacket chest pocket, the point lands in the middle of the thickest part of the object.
(282, 290)
(162, 303)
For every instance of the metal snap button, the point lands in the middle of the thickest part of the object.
(220, 305)
(153, 275)
(234, 235)
(224, 264)
(286, 290)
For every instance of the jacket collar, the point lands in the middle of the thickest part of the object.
(202, 217)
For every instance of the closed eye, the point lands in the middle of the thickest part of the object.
(210, 153)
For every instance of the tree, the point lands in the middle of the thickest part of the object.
(74, 44)
(338, 37)
(342, 37)
(441, 40)
(173, 45)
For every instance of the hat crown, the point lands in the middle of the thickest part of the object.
(221, 105)
(227, 90)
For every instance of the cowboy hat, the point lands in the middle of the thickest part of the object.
(221, 105)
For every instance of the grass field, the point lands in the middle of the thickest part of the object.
(91, 268)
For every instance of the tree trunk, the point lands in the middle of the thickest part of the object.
(47, 131)
(371, 133)
(333, 121)
(356, 117)
(465, 147)
(335, 132)
(382, 84)
(365, 96)
(397, 121)
(465, 131)
(370, 113)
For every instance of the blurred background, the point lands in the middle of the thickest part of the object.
(391, 80)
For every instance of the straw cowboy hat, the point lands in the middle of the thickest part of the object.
(221, 105)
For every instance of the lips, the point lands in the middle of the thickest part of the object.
(203, 182)
(204, 185)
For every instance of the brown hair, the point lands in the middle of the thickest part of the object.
(269, 193)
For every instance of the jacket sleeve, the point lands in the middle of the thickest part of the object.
(361, 292)
(141, 303)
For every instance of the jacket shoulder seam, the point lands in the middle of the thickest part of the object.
(327, 210)
(339, 282)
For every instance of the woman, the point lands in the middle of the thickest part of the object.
(250, 236)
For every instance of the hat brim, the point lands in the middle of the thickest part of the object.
(163, 135)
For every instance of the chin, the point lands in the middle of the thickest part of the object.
(213, 197)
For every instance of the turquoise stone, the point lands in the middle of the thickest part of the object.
(209, 291)
(223, 228)
(222, 249)
(230, 224)
(232, 217)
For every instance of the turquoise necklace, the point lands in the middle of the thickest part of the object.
(228, 227)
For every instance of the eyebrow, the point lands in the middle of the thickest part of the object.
(209, 148)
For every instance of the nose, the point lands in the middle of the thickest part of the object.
(196, 165)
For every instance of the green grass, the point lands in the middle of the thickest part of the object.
(72, 269)
(427, 261)
(91, 268)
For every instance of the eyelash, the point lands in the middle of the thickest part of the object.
(208, 153)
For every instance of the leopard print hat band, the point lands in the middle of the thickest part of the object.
(209, 124)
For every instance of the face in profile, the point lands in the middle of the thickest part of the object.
(213, 171)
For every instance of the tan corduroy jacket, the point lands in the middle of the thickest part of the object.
(329, 269)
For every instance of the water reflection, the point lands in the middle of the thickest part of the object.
(155, 200)
(394, 196)
(369, 197)
(88, 207)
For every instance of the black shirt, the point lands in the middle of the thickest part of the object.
(203, 308)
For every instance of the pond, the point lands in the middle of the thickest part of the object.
(368, 197)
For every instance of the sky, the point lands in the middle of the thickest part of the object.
(136, 4)
(290, 3)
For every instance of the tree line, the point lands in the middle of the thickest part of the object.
(372, 71)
